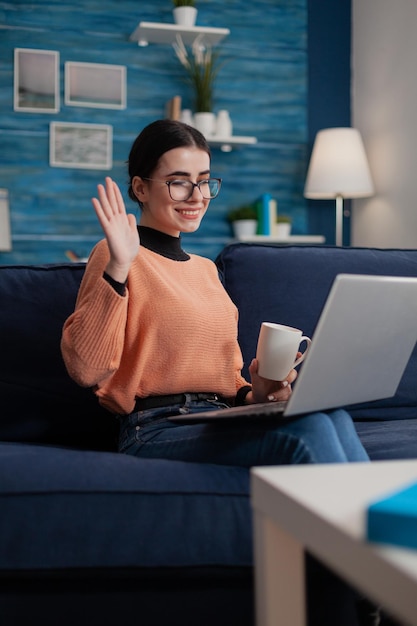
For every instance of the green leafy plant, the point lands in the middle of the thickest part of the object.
(245, 212)
(283, 219)
(183, 3)
(202, 67)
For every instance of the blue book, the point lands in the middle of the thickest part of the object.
(264, 213)
(393, 520)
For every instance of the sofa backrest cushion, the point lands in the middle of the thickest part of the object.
(290, 284)
(39, 401)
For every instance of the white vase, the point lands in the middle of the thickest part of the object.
(205, 122)
(185, 16)
(187, 117)
(223, 124)
(244, 228)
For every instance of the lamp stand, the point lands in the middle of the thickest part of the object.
(5, 234)
(339, 220)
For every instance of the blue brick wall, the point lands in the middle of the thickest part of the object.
(263, 84)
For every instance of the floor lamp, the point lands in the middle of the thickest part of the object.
(5, 235)
(338, 169)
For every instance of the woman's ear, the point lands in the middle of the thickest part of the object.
(139, 188)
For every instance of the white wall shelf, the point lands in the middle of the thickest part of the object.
(226, 144)
(154, 32)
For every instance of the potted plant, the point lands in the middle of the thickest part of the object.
(283, 226)
(201, 67)
(185, 13)
(244, 221)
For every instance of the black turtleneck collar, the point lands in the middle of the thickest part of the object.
(161, 243)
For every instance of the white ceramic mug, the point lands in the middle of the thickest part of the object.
(277, 350)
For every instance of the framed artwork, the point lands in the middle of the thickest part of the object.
(82, 146)
(36, 80)
(95, 85)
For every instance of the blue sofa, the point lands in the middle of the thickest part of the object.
(89, 536)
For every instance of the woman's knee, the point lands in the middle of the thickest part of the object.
(320, 437)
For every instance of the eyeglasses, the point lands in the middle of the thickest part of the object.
(181, 190)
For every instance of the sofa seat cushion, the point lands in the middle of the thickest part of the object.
(389, 440)
(63, 508)
(290, 284)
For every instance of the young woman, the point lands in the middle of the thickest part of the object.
(155, 333)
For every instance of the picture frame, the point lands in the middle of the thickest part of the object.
(82, 146)
(36, 80)
(97, 85)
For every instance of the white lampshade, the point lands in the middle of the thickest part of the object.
(5, 235)
(338, 166)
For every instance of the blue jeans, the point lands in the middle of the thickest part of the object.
(315, 438)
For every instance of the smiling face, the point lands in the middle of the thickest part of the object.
(159, 210)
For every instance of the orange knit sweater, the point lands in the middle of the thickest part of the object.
(174, 331)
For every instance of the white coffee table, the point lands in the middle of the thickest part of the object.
(321, 508)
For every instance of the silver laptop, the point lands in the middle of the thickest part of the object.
(359, 351)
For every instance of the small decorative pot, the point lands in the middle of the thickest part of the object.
(244, 228)
(205, 122)
(283, 230)
(185, 16)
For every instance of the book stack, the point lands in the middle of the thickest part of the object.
(266, 208)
